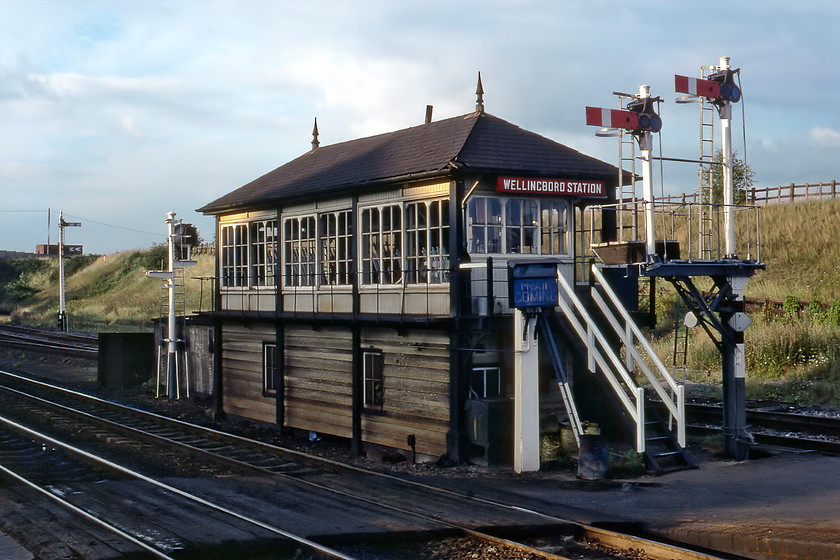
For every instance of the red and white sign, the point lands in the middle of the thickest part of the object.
(612, 118)
(696, 86)
(553, 187)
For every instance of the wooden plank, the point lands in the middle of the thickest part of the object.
(395, 396)
(401, 421)
(426, 441)
(316, 386)
(331, 399)
(318, 361)
(329, 376)
(250, 410)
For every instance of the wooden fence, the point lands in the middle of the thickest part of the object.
(771, 308)
(767, 195)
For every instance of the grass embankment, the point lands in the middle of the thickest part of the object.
(794, 356)
(103, 293)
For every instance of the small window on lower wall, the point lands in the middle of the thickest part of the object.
(270, 373)
(372, 367)
(486, 382)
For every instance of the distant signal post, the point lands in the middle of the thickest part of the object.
(62, 308)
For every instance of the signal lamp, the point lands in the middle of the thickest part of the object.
(728, 90)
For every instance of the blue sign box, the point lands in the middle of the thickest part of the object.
(532, 284)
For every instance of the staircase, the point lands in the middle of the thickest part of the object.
(659, 431)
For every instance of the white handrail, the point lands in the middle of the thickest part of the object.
(588, 336)
(675, 403)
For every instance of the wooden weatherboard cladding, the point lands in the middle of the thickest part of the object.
(416, 390)
(242, 362)
(318, 379)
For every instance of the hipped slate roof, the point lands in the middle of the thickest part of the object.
(468, 144)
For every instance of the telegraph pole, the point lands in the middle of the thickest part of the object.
(62, 311)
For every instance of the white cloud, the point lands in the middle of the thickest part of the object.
(825, 136)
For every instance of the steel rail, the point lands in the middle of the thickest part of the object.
(658, 550)
(169, 488)
(792, 431)
(79, 511)
(81, 345)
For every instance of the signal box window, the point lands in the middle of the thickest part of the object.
(271, 380)
(374, 392)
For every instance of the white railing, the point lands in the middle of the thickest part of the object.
(688, 231)
(603, 358)
(663, 383)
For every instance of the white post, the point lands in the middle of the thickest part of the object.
(62, 317)
(172, 360)
(728, 193)
(526, 407)
(62, 310)
(646, 143)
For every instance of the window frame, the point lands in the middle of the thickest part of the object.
(263, 252)
(380, 244)
(426, 241)
(335, 248)
(235, 248)
(491, 224)
(270, 370)
(373, 380)
(300, 251)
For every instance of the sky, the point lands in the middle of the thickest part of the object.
(119, 111)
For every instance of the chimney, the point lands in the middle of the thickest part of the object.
(429, 113)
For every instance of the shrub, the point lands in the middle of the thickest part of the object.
(790, 306)
(20, 289)
(833, 314)
(156, 258)
(815, 310)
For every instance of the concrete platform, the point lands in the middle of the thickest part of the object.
(783, 506)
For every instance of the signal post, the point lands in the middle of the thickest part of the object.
(720, 311)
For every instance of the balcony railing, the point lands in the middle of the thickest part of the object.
(684, 231)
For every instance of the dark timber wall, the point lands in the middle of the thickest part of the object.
(242, 366)
(318, 379)
(416, 390)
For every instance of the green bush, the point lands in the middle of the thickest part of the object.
(790, 306)
(816, 312)
(156, 258)
(20, 289)
(833, 314)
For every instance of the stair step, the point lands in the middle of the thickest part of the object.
(667, 454)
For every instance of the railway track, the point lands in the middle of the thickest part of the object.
(280, 473)
(95, 490)
(81, 345)
(806, 432)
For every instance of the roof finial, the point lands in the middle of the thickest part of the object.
(315, 142)
(479, 96)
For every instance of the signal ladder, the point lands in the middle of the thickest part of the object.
(704, 172)
(627, 191)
